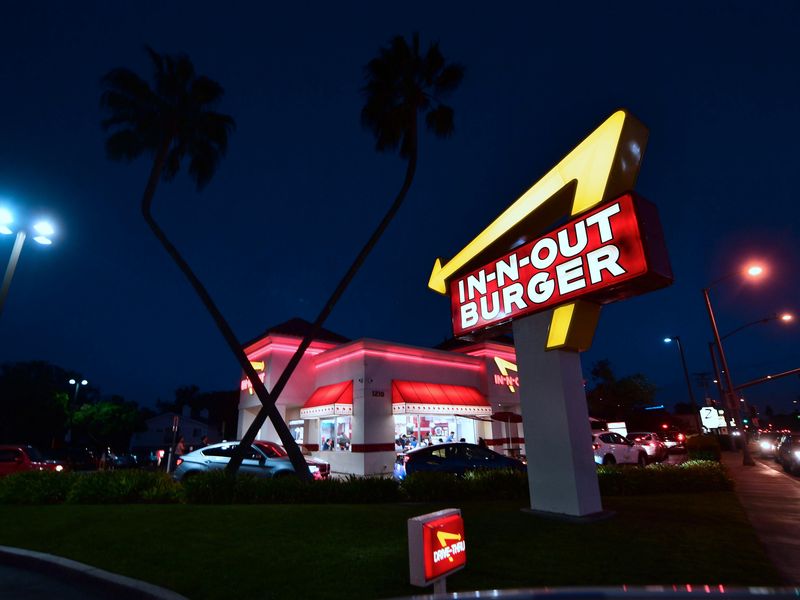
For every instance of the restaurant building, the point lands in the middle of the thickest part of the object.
(350, 402)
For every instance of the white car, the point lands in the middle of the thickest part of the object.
(654, 446)
(611, 448)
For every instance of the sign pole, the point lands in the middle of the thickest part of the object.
(562, 476)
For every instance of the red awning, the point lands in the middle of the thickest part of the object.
(414, 397)
(329, 400)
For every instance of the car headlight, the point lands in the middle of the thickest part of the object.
(313, 469)
(764, 445)
(797, 454)
(59, 468)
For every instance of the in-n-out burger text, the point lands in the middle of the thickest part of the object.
(601, 248)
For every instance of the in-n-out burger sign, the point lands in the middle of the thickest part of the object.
(589, 257)
(612, 247)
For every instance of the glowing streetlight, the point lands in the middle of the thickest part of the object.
(752, 270)
(77, 385)
(44, 232)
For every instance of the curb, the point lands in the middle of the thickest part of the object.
(122, 588)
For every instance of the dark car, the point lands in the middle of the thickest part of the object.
(20, 458)
(788, 453)
(456, 458)
(675, 441)
(767, 444)
(76, 459)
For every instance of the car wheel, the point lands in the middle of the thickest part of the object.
(609, 460)
(642, 460)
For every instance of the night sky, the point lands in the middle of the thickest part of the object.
(302, 187)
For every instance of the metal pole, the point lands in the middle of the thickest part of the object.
(717, 376)
(12, 266)
(747, 460)
(686, 373)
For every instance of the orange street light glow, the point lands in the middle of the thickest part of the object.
(786, 317)
(755, 270)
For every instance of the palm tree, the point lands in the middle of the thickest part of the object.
(174, 121)
(400, 84)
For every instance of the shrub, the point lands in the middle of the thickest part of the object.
(217, 487)
(35, 487)
(703, 447)
(692, 476)
(497, 484)
(432, 487)
(123, 487)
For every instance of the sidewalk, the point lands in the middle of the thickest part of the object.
(771, 499)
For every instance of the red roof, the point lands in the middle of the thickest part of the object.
(420, 392)
(338, 393)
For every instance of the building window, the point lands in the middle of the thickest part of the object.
(335, 433)
(297, 427)
(412, 431)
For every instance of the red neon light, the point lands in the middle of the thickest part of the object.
(359, 352)
(444, 546)
(588, 257)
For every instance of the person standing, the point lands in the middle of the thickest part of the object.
(180, 450)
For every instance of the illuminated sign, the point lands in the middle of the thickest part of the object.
(602, 167)
(258, 365)
(503, 378)
(589, 257)
(437, 546)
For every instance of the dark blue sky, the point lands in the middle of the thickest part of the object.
(301, 187)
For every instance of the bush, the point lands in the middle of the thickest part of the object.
(692, 476)
(489, 484)
(123, 487)
(35, 487)
(703, 447)
(216, 487)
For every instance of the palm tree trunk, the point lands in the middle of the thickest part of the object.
(411, 168)
(295, 455)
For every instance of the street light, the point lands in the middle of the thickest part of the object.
(77, 385)
(44, 232)
(677, 340)
(783, 317)
(752, 271)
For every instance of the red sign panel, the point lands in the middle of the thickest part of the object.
(603, 255)
(444, 546)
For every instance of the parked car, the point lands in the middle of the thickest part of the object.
(767, 444)
(610, 448)
(788, 453)
(122, 461)
(17, 459)
(261, 460)
(324, 468)
(651, 442)
(675, 441)
(455, 457)
(75, 459)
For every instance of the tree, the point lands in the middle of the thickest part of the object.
(175, 121)
(109, 423)
(401, 83)
(34, 403)
(611, 397)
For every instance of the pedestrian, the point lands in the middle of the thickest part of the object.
(180, 450)
(204, 441)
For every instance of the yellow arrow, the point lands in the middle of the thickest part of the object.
(603, 165)
(504, 366)
(445, 537)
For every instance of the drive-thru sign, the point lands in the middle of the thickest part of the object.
(437, 546)
(577, 239)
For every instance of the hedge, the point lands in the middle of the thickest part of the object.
(703, 447)
(216, 487)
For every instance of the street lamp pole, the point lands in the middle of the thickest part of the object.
(747, 460)
(12, 266)
(677, 340)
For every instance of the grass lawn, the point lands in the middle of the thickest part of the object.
(324, 551)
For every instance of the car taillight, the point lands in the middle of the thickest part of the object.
(178, 462)
(596, 446)
(681, 437)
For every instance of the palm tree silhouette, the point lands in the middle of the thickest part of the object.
(400, 84)
(175, 122)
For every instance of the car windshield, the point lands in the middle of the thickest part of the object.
(34, 454)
